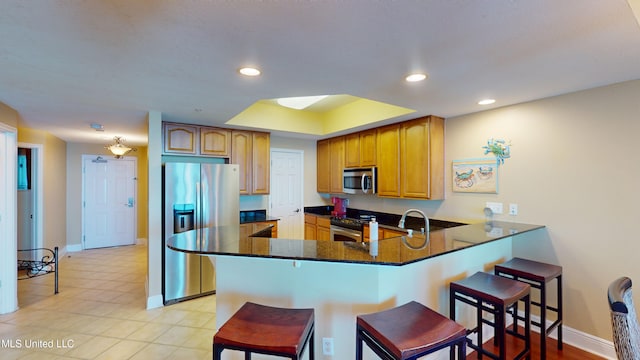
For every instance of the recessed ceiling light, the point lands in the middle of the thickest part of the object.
(415, 77)
(249, 71)
(486, 102)
(301, 102)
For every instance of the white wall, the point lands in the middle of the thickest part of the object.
(573, 168)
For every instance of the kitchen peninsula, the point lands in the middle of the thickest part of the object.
(342, 279)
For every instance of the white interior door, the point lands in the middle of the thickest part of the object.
(8, 231)
(109, 208)
(286, 192)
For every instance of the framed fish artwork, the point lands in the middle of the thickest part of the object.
(475, 175)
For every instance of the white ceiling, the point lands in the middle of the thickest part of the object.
(65, 64)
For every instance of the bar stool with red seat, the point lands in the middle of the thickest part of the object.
(261, 329)
(537, 274)
(408, 332)
(492, 294)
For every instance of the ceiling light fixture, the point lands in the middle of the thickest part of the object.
(300, 102)
(249, 71)
(118, 149)
(415, 77)
(486, 102)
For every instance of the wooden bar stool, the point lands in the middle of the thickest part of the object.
(537, 274)
(495, 295)
(408, 332)
(266, 330)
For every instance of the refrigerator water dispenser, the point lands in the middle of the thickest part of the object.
(183, 217)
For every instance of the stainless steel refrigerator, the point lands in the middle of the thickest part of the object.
(196, 196)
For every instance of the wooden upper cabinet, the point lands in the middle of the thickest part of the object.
(215, 142)
(241, 154)
(180, 138)
(360, 149)
(352, 150)
(411, 159)
(368, 147)
(388, 161)
(336, 158)
(323, 163)
(261, 161)
(422, 158)
(252, 152)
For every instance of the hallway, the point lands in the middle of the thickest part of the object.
(100, 314)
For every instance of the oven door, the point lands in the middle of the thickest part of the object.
(339, 233)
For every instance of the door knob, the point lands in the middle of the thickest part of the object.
(297, 210)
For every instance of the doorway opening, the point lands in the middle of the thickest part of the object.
(30, 197)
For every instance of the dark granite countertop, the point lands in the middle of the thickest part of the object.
(255, 216)
(393, 251)
(386, 220)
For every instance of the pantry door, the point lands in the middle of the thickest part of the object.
(109, 206)
(286, 192)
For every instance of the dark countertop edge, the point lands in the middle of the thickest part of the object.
(531, 227)
(251, 220)
(363, 262)
(255, 216)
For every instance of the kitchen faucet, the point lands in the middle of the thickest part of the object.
(426, 220)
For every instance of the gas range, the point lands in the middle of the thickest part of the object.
(351, 223)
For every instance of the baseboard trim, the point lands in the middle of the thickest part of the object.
(154, 301)
(581, 340)
(74, 248)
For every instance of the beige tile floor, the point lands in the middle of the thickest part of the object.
(100, 314)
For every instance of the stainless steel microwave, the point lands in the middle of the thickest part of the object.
(359, 180)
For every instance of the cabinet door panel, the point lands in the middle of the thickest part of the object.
(336, 146)
(215, 142)
(323, 166)
(388, 140)
(180, 138)
(414, 159)
(261, 150)
(352, 150)
(241, 155)
(368, 148)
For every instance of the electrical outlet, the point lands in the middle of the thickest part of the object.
(495, 207)
(327, 346)
(513, 209)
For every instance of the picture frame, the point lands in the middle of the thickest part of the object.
(475, 175)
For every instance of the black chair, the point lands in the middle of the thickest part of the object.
(626, 331)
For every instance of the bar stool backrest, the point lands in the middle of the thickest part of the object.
(626, 331)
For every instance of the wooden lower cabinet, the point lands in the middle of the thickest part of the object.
(323, 230)
(256, 245)
(310, 227)
(316, 227)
